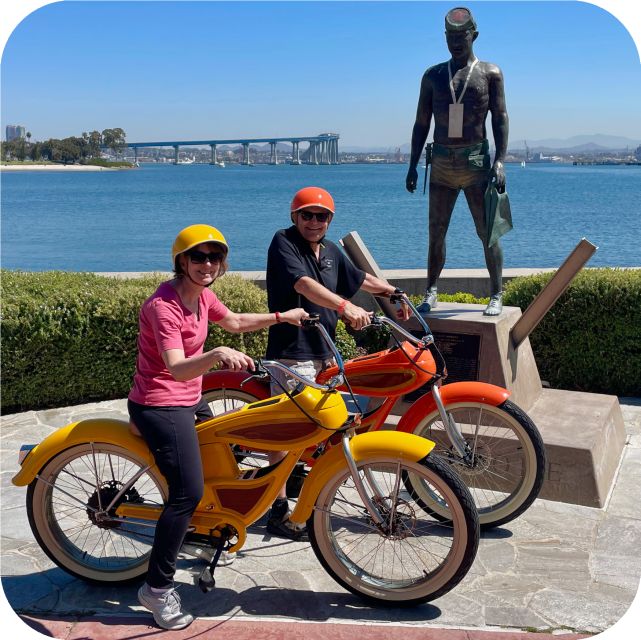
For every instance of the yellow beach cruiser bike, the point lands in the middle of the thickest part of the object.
(94, 496)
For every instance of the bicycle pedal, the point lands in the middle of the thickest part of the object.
(206, 583)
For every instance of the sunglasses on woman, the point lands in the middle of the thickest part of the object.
(199, 257)
(321, 216)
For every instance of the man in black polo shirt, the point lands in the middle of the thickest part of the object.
(306, 270)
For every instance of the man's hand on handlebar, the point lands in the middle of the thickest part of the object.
(403, 312)
(356, 317)
(399, 297)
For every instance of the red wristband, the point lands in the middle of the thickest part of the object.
(341, 307)
(277, 315)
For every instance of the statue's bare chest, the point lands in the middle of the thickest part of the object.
(470, 89)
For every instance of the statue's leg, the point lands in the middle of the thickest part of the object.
(474, 195)
(442, 201)
(441, 205)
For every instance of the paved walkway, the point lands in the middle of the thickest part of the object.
(559, 568)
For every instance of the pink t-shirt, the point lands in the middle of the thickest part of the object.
(165, 323)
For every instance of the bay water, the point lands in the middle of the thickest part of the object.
(127, 220)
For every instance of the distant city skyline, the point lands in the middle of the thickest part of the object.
(194, 70)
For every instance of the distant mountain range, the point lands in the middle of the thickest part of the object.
(594, 142)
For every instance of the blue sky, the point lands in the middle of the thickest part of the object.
(193, 70)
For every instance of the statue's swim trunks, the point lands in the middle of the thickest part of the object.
(460, 167)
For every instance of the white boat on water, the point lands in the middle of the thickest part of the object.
(220, 164)
(186, 161)
(522, 163)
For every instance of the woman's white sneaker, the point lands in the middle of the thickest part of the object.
(165, 608)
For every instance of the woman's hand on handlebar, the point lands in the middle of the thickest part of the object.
(294, 316)
(356, 317)
(233, 360)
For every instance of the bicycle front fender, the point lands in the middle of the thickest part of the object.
(223, 379)
(114, 432)
(480, 392)
(390, 445)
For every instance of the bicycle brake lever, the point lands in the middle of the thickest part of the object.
(260, 373)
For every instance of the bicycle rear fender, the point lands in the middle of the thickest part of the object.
(224, 379)
(96, 430)
(372, 445)
(481, 392)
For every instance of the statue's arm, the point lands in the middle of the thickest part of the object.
(500, 125)
(420, 130)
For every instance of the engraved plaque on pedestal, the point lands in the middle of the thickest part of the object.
(462, 354)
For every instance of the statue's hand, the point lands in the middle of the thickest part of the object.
(411, 180)
(497, 174)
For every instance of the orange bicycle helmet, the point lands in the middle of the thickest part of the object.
(312, 197)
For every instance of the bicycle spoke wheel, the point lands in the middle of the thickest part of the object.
(508, 459)
(411, 557)
(67, 512)
(223, 401)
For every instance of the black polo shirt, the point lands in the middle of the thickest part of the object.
(290, 257)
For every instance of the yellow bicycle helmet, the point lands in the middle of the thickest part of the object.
(196, 234)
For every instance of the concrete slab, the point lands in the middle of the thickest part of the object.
(413, 281)
(584, 435)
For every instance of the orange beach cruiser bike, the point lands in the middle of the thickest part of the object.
(492, 444)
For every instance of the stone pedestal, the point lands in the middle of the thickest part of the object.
(583, 432)
(477, 347)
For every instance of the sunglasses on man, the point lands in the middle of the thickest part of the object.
(200, 257)
(321, 216)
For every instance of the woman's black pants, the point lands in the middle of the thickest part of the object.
(170, 435)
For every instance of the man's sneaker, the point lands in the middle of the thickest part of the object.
(284, 528)
(165, 608)
(430, 300)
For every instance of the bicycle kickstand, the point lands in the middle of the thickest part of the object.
(206, 581)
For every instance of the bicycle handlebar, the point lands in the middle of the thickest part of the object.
(400, 297)
(334, 382)
(313, 321)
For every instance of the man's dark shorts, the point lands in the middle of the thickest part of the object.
(460, 167)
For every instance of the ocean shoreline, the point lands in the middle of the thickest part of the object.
(56, 167)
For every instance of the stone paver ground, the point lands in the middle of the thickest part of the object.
(558, 567)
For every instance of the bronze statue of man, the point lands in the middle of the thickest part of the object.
(458, 94)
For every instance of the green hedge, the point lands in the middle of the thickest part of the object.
(69, 338)
(590, 340)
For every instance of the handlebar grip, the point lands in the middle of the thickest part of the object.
(312, 321)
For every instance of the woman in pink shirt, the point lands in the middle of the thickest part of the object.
(165, 400)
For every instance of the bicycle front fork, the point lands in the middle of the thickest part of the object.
(452, 429)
